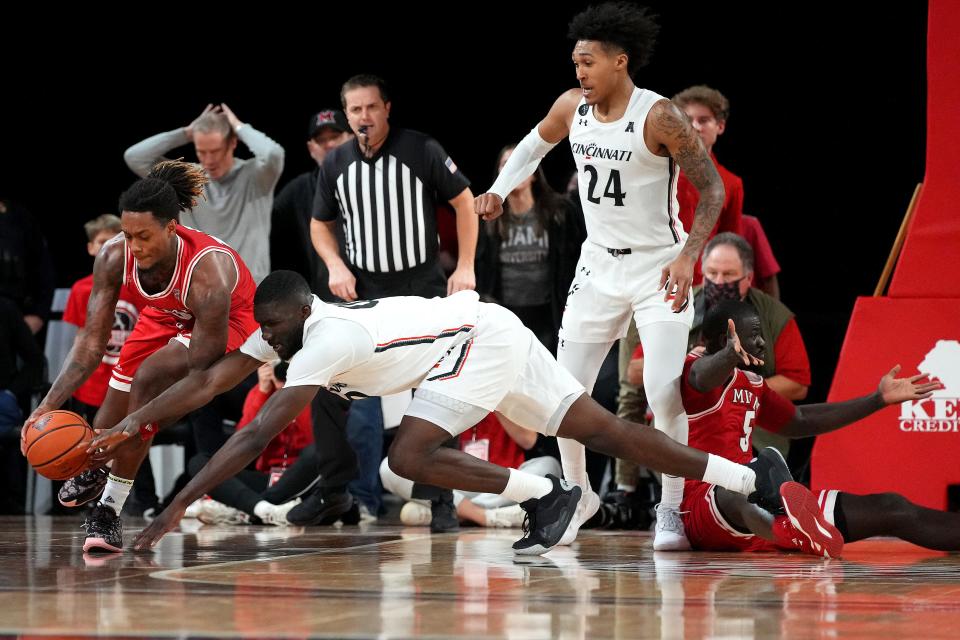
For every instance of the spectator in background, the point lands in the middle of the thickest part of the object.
(239, 196)
(728, 275)
(290, 244)
(21, 370)
(285, 469)
(382, 190)
(708, 110)
(89, 396)
(527, 257)
(26, 270)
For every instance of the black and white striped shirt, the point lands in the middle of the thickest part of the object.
(387, 204)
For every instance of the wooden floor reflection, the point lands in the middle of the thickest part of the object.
(390, 582)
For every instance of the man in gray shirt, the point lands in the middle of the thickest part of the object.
(239, 196)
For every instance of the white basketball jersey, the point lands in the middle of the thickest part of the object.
(409, 336)
(628, 193)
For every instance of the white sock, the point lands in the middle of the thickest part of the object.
(522, 486)
(626, 488)
(115, 495)
(573, 457)
(262, 509)
(672, 491)
(730, 475)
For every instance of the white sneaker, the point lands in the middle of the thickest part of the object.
(195, 508)
(416, 514)
(588, 505)
(505, 517)
(213, 512)
(277, 515)
(365, 515)
(669, 534)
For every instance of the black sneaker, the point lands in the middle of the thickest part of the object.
(772, 471)
(83, 488)
(322, 507)
(351, 515)
(443, 514)
(547, 518)
(104, 530)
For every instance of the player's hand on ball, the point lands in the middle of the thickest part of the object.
(107, 441)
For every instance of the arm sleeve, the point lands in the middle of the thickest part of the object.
(142, 156)
(268, 156)
(791, 354)
(446, 177)
(775, 410)
(523, 162)
(335, 346)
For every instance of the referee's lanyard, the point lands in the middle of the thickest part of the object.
(477, 448)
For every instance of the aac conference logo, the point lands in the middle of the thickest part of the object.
(938, 413)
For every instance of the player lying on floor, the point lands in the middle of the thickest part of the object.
(724, 401)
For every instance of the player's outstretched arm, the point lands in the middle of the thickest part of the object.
(671, 129)
(239, 450)
(711, 371)
(814, 419)
(528, 153)
(91, 342)
(192, 392)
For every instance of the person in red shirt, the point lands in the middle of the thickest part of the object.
(196, 296)
(89, 396)
(725, 400)
(708, 110)
(285, 470)
(765, 265)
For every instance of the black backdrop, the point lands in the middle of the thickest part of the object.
(827, 125)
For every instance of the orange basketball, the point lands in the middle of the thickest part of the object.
(57, 444)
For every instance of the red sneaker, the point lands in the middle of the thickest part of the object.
(804, 527)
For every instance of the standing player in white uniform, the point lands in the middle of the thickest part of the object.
(628, 144)
(465, 358)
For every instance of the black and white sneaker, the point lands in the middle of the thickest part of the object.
(322, 507)
(547, 518)
(104, 530)
(83, 488)
(772, 471)
(443, 514)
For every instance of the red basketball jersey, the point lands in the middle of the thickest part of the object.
(192, 245)
(722, 419)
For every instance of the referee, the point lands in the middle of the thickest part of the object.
(382, 189)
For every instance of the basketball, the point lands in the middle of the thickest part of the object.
(57, 444)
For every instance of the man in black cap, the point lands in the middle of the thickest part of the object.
(290, 246)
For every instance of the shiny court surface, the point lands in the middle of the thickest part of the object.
(391, 582)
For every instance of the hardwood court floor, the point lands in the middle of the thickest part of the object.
(391, 582)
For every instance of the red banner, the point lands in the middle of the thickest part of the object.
(914, 448)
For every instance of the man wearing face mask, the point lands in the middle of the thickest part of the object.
(728, 275)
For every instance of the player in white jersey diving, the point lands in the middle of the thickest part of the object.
(465, 358)
(628, 144)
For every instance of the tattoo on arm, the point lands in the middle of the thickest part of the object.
(673, 130)
(88, 348)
